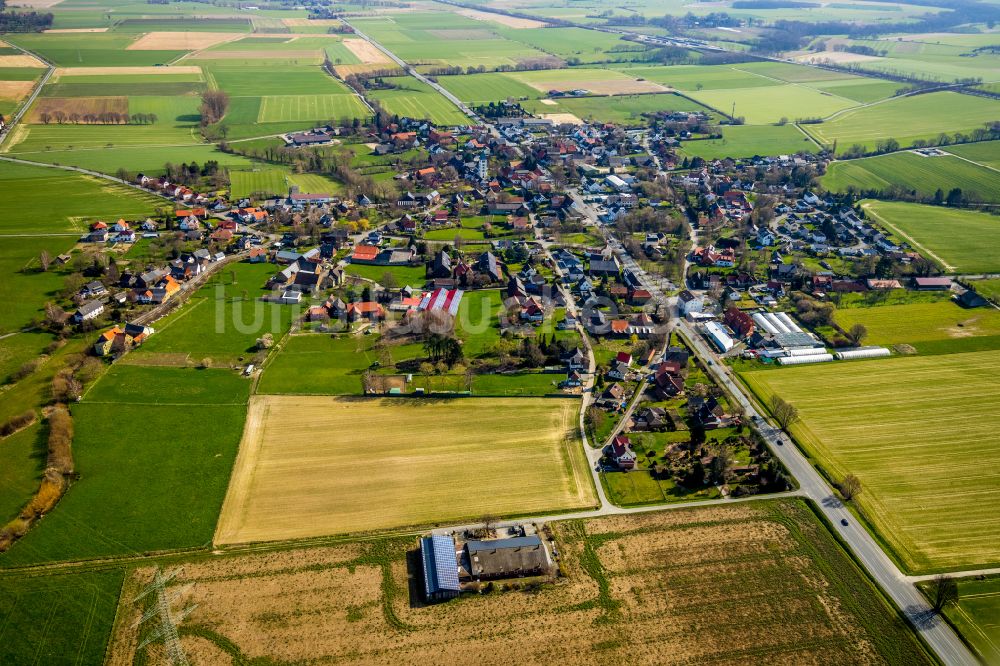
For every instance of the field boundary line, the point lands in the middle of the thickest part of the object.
(978, 164)
(948, 267)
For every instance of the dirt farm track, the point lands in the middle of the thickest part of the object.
(314, 466)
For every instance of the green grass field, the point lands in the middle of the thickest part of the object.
(622, 109)
(912, 171)
(983, 152)
(405, 275)
(961, 240)
(260, 80)
(907, 119)
(91, 49)
(977, 616)
(64, 618)
(258, 181)
(920, 322)
(692, 78)
(22, 462)
(577, 44)
(218, 322)
(154, 447)
(918, 433)
(318, 364)
(286, 108)
(137, 158)
(750, 140)
(772, 103)
(415, 99)
(489, 87)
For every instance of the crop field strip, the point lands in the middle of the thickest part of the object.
(915, 172)
(977, 615)
(963, 241)
(919, 433)
(644, 581)
(418, 469)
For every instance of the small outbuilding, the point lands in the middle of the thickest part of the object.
(440, 562)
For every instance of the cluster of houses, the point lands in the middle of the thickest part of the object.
(120, 339)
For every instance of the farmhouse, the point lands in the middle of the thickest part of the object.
(505, 558)
(87, 311)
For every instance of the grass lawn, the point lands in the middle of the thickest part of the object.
(960, 240)
(152, 477)
(218, 322)
(129, 384)
(983, 152)
(749, 140)
(919, 434)
(319, 364)
(977, 616)
(15, 350)
(906, 119)
(450, 234)
(136, 158)
(910, 170)
(415, 276)
(639, 488)
(58, 619)
(297, 471)
(988, 289)
(258, 181)
(920, 322)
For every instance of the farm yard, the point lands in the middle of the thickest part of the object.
(808, 598)
(417, 470)
(960, 240)
(909, 428)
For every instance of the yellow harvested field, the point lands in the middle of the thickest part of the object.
(315, 466)
(20, 61)
(114, 71)
(610, 86)
(73, 30)
(760, 583)
(502, 19)
(181, 41)
(366, 52)
(561, 118)
(15, 90)
(343, 71)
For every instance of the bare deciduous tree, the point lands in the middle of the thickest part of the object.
(850, 487)
(784, 412)
(944, 591)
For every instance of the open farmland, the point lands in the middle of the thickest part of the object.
(154, 448)
(416, 99)
(772, 103)
(59, 619)
(286, 108)
(93, 49)
(418, 469)
(488, 87)
(907, 119)
(977, 616)
(914, 323)
(597, 81)
(986, 153)
(960, 240)
(914, 172)
(624, 109)
(919, 434)
(748, 140)
(633, 589)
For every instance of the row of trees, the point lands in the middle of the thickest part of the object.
(101, 118)
(214, 104)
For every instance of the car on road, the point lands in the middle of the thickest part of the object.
(843, 521)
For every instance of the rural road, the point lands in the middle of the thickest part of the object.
(901, 589)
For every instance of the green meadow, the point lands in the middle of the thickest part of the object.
(916, 173)
(907, 119)
(749, 140)
(963, 241)
(62, 618)
(415, 99)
